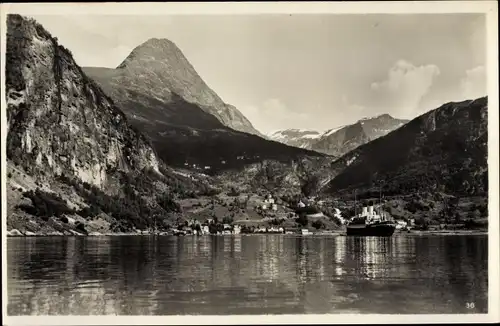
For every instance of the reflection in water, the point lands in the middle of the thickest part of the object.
(246, 274)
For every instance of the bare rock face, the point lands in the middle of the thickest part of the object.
(158, 69)
(59, 120)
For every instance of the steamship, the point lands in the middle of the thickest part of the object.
(369, 223)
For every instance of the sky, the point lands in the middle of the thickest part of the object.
(315, 71)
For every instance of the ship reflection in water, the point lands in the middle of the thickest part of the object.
(264, 274)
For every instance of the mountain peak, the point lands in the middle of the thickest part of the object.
(158, 70)
(154, 49)
(157, 43)
(380, 116)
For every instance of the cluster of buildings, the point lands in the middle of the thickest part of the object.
(205, 229)
(269, 204)
(305, 202)
(404, 225)
(197, 167)
(269, 230)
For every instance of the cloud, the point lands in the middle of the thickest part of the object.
(274, 115)
(404, 87)
(474, 84)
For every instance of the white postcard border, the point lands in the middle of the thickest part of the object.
(490, 8)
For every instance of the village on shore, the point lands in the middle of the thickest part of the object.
(276, 217)
(253, 212)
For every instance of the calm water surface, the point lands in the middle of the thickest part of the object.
(247, 274)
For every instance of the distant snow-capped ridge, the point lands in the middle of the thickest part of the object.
(379, 116)
(340, 140)
(295, 137)
(294, 133)
(331, 131)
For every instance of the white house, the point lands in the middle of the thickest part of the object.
(264, 206)
(401, 224)
(269, 199)
(205, 229)
(273, 229)
(236, 229)
(301, 204)
(274, 207)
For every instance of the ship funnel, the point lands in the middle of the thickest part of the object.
(365, 211)
(370, 210)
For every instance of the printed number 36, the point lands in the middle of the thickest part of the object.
(470, 305)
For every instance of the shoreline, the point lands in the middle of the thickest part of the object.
(17, 234)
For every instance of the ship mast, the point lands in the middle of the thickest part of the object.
(355, 204)
(380, 202)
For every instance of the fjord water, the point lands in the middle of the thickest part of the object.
(246, 274)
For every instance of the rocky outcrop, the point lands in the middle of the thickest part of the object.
(59, 121)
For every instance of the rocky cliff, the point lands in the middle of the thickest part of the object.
(59, 120)
(157, 68)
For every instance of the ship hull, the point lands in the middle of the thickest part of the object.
(380, 230)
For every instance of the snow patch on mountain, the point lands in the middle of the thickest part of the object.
(332, 131)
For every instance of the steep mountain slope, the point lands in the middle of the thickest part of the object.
(340, 140)
(164, 97)
(443, 150)
(72, 155)
(159, 70)
(304, 176)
